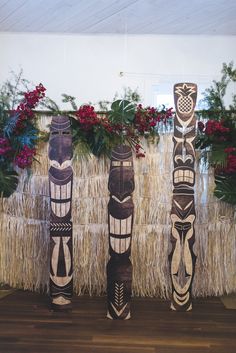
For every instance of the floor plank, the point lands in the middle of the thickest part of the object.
(27, 325)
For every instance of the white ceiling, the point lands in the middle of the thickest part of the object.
(210, 17)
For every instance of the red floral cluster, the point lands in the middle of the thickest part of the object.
(147, 118)
(144, 122)
(231, 160)
(25, 157)
(24, 109)
(138, 151)
(214, 127)
(87, 117)
(11, 150)
(5, 147)
(108, 127)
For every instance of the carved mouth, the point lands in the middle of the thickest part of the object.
(120, 245)
(60, 192)
(183, 176)
(120, 227)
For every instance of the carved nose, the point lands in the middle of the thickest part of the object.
(60, 160)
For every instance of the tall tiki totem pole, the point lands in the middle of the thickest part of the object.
(182, 258)
(60, 186)
(120, 221)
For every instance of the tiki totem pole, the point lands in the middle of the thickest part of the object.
(182, 258)
(120, 221)
(60, 186)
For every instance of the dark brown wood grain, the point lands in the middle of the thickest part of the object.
(182, 258)
(60, 187)
(120, 223)
(26, 325)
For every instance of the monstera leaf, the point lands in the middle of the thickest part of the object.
(8, 182)
(122, 112)
(226, 188)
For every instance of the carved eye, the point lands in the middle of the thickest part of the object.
(66, 132)
(116, 163)
(127, 164)
(55, 132)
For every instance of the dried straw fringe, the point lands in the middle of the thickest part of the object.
(24, 235)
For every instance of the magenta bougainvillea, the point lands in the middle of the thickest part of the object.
(218, 139)
(18, 139)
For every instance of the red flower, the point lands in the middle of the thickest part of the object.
(87, 117)
(231, 164)
(4, 146)
(230, 160)
(214, 127)
(230, 149)
(24, 109)
(24, 158)
(147, 118)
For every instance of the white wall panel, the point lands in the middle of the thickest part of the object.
(88, 66)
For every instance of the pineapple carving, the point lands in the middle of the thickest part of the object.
(185, 101)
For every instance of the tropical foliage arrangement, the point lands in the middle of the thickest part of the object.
(217, 135)
(124, 123)
(18, 137)
(93, 133)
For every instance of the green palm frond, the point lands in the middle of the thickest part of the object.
(66, 98)
(226, 188)
(8, 182)
(81, 150)
(218, 156)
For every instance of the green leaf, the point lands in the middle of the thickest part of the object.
(8, 182)
(226, 188)
(69, 99)
(122, 112)
(218, 155)
(202, 141)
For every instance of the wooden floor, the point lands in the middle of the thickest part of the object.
(26, 325)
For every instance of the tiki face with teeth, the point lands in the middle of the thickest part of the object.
(120, 222)
(60, 172)
(60, 186)
(184, 157)
(120, 207)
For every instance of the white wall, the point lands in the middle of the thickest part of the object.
(88, 66)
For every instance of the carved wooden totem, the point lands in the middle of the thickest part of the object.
(120, 221)
(182, 258)
(60, 186)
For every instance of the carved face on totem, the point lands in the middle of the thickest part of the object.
(60, 151)
(182, 256)
(60, 172)
(60, 186)
(184, 135)
(120, 207)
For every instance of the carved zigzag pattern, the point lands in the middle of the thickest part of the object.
(60, 227)
(119, 294)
